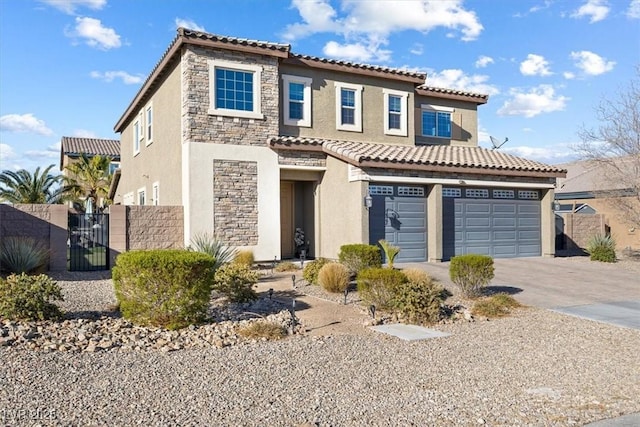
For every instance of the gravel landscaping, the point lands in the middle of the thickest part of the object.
(536, 368)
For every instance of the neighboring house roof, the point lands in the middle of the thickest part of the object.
(74, 147)
(586, 177)
(440, 92)
(440, 158)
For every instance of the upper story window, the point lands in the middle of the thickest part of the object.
(395, 112)
(155, 194)
(436, 121)
(349, 107)
(142, 200)
(148, 116)
(234, 89)
(297, 100)
(137, 135)
(113, 166)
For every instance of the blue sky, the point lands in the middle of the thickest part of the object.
(71, 67)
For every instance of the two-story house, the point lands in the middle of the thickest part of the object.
(255, 141)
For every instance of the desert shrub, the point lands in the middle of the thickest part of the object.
(22, 254)
(357, 257)
(259, 330)
(24, 297)
(333, 277)
(209, 244)
(471, 273)
(420, 301)
(310, 272)
(235, 281)
(390, 251)
(244, 257)
(165, 288)
(286, 266)
(602, 248)
(497, 305)
(379, 286)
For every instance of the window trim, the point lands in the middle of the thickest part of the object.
(137, 128)
(141, 191)
(357, 125)
(256, 71)
(404, 96)
(155, 193)
(436, 108)
(306, 100)
(148, 124)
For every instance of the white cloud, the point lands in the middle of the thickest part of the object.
(595, 10)
(7, 152)
(417, 49)
(49, 153)
(190, 24)
(535, 65)
(70, 6)
(95, 34)
(457, 79)
(483, 61)
(24, 123)
(83, 133)
(538, 100)
(558, 153)
(356, 52)
(591, 63)
(317, 15)
(569, 75)
(634, 9)
(109, 76)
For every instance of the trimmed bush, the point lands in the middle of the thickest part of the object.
(602, 248)
(22, 254)
(379, 286)
(209, 244)
(390, 252)
(333, 277)
(24, 297)
(263, 330)
(311, 270)
(244, 258)
(357, 257)
(497, 305)
(471, 273)
(420, 301)
(235, 281)
(164, 288)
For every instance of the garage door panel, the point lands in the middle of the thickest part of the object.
(506, 208)
(529, 250)
(504, 222)
(412, 237)
(528, 235)
(504, 235)
(414, 223)
(478, 222)
(503, 251)
(477, 236)
(533, 209)
(471, 249)
(483, 208)
(411, 207)
(529, 222)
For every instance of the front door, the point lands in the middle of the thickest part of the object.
(286, 219)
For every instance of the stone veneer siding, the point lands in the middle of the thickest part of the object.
(579, 228)
(235, 206)
(200, 126)
(303, 158)
(155, 227)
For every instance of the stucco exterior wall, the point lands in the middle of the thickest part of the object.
(323, 111)
(158, 161)
(342, 216)
(464, 119)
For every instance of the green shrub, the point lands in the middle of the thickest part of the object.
(286, 266)
(22, 254)
(311, 269)
(379, 286)
(497, 305)
(471, 273)
(259, 330)
(244, 257)
(209, 244)
(235, 281)
(390, 251)
(357, 257)
(602, 248)
(24, 297)
(420, 299)
(333, 277)
(164, 288)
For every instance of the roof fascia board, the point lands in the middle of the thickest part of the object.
(236, 47)
(452, 96)
(456, 182)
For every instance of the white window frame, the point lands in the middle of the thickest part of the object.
(306, 101)
(403, 112)
(148, 128)
(256, 70)
(357, 126)
(436, 108)
(136, 129)
(141, 192)
(155, 193)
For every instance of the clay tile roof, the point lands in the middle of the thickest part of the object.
(439, 91)
(191, 34)
(72, 146)
(378, 68)
(424, 157)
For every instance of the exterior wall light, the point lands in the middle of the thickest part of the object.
(368, 201)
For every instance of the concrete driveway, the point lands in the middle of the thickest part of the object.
(577, 286)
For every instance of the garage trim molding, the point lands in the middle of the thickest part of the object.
(457, 182)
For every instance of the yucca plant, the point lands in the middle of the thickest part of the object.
(390, 251)
(209, 244)
(602, 248)
(22, 254)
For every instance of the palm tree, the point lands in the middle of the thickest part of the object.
(89, 177)
(39, 188)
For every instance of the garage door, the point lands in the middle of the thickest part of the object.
(399, 215)
(502, 223)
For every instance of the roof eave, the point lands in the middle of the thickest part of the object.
(456, 97)
(454, 168)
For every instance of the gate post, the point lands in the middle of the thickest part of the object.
(58, 221)
(117, 232)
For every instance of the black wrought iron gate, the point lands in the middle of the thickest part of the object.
(88, 242)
